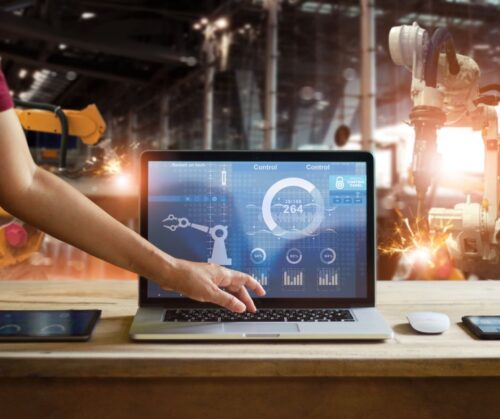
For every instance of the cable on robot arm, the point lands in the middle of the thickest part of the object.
(489, 87)
(491, 100)
(440, 38)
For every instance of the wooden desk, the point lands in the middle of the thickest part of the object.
(415, 376)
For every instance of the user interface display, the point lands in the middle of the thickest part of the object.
(487, 324)
(299, 228)
(45, 323)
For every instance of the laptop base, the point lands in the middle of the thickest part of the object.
(148, 325)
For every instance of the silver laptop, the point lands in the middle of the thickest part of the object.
(301, 223)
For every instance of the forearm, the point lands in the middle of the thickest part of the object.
(47, 202)
(52, 205)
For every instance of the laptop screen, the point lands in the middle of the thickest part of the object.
(299, 228)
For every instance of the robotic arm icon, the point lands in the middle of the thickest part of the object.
(218, 233)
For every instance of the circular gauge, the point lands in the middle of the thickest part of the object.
(294, 256)
(327, 256)
(293, 208)
(258, 255)
(9, 329)
(53, 329)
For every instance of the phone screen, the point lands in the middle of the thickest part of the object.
(44, 324)
(487, 324)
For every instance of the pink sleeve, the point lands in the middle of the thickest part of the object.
(5, 99)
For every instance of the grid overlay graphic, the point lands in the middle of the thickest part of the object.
(289, 260)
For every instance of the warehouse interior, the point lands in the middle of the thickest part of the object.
(248, 75)
(249, 209)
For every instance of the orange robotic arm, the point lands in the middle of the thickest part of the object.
(87, 124)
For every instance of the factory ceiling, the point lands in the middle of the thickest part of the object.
(118, 51)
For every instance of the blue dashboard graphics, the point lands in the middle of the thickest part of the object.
(298, 228)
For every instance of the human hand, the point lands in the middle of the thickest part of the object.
(203, 282)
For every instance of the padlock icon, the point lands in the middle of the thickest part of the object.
(339, 182)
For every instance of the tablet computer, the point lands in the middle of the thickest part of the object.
(47, 325)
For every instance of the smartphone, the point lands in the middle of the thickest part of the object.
(484, 327)
(47, 325)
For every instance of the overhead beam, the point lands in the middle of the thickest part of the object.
(165, 12)
(485, 12)
(29, 28)
(13, 5)
(86, 70)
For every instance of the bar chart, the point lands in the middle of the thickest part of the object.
(260, 275)
(328, 278)
(293, 278)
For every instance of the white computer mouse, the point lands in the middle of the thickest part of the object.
(428, 322)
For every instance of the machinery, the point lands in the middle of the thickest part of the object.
(19, 241)
(445, 92)
(87, 124)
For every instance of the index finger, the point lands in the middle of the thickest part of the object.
(242, 279)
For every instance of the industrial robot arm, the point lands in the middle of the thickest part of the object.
(87, 124)
(445, 92)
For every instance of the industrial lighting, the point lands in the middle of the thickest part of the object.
(88, 15)
(189, 60)
(122, 181)
(71, 75)
(316, 7)
(482, 47)
(22, 73)
(221, 23)
(40, 75)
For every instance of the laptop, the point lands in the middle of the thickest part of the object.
(301, 223)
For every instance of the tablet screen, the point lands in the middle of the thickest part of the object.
(47, 323)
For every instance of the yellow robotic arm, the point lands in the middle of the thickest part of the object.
(87, 124)
(17, 241)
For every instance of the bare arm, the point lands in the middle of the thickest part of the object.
(47, 202)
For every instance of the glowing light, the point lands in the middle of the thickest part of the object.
(113, 166)
(88, 15)
(22, 73)
(221, 23)
(422, 255)
(462, 150)
(122, 181)
(197, 26)
(204, 21)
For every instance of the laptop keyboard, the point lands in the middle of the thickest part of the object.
(262, 315)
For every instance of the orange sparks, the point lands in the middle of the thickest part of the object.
(415, 240)
(113, 166)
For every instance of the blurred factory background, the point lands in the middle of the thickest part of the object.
(236, 74)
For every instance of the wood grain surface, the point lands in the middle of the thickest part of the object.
(453, 375)
(110, 353)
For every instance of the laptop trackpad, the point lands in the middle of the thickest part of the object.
(248, 328)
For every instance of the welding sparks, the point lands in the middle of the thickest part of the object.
(112, 161)
(415, 241)
(113, 166)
